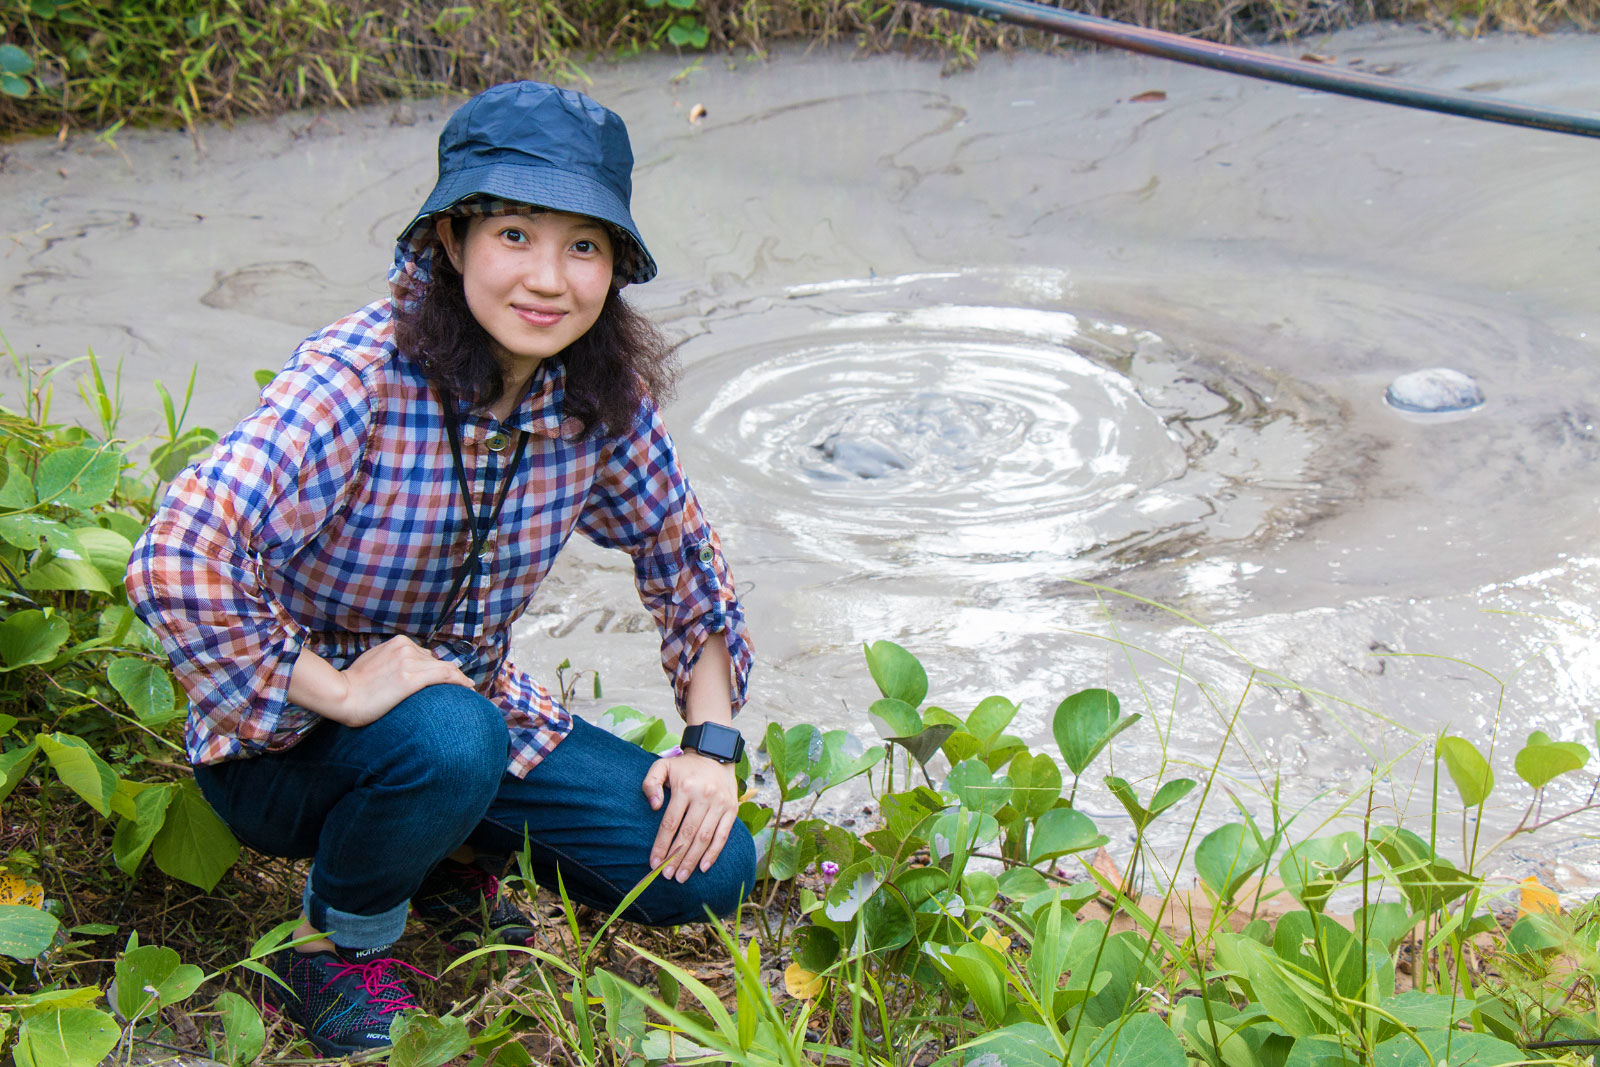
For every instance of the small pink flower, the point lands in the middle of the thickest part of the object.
(830, 871)
(675, 750)
(1061, 872)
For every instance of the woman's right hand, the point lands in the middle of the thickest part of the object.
(372, 685)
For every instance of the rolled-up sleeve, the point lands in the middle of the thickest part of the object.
(196, 576)
(642, 504)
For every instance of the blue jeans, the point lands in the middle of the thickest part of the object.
(377, 807)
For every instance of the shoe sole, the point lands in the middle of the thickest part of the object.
(329, 1049)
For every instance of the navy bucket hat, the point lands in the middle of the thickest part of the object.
(536, 144)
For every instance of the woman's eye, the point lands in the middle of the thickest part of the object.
(514, 236)
(585, 246)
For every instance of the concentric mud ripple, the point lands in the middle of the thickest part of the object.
(911, 427)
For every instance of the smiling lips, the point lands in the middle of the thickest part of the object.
(539, 316)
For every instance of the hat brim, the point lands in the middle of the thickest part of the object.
(548, 187)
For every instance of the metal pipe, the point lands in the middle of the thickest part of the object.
(1273, 68)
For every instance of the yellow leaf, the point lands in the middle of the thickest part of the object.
(15, 890)
(801, 983)
(995, 941)
(1536, 899)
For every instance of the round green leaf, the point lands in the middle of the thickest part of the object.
(78, 477)
(193, 844)
(68, 1037)
(11, 85)
(1538, 763)
(1471, 773)
(898, 673)
(80, 769)
(16, 487)
(1170, 793)
(127, 525)
(1446, 1046)
(1017, 1045)
(26, 932)
(989, 718)
(1226, 858)
(1020, 882)
(1058, 832)
(1312, 869)
(242, 1031)
(785, 861)
(897, 721)
(423, 1040)
(66, 572)
(980, 888)
(960, 745)
(887, 920)
(151, 977)
(14, 766)
(29, 637)
(144, 685)
(1085, 723)
(856, 884)
(29, 531)
(108, 552)
(815, 948)
(1137, 1040)
(977, 788)
(134, 834)
(947, 832)
(14, 60)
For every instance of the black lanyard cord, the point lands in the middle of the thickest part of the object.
(471, 565)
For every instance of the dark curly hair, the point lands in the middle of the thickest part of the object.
(622, 358)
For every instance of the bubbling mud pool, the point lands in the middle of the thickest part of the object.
(920, 432)
(1053, 380)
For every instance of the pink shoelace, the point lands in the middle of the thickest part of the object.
(485, 883)
(388, 992)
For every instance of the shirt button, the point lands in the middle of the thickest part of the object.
(706, 554)
(497, 442)
(461, 648)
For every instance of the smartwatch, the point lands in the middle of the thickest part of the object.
(715, 741)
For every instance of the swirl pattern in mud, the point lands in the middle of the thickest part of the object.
(914, 427)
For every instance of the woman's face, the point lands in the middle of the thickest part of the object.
(536, 283)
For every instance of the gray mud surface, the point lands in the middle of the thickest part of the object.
(955, 345)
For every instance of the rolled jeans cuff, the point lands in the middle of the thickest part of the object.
(354, 931)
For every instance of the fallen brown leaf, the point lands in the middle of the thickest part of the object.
(1314, 57)
(1107, 866)
(1149, 96)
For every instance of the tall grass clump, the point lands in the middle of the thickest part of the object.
(102, 63)
(975, 910)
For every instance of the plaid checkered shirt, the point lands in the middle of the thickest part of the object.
(329, 520)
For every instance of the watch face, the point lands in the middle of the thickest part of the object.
(714, 740)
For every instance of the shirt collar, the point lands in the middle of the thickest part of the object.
(540, 411)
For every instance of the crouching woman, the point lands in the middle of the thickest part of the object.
(336, 583)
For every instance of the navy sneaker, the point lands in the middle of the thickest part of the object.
(463, 903)
(343, 1001)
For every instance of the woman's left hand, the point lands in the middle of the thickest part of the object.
(704, 805)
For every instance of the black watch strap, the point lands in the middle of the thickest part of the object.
(714, 741)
